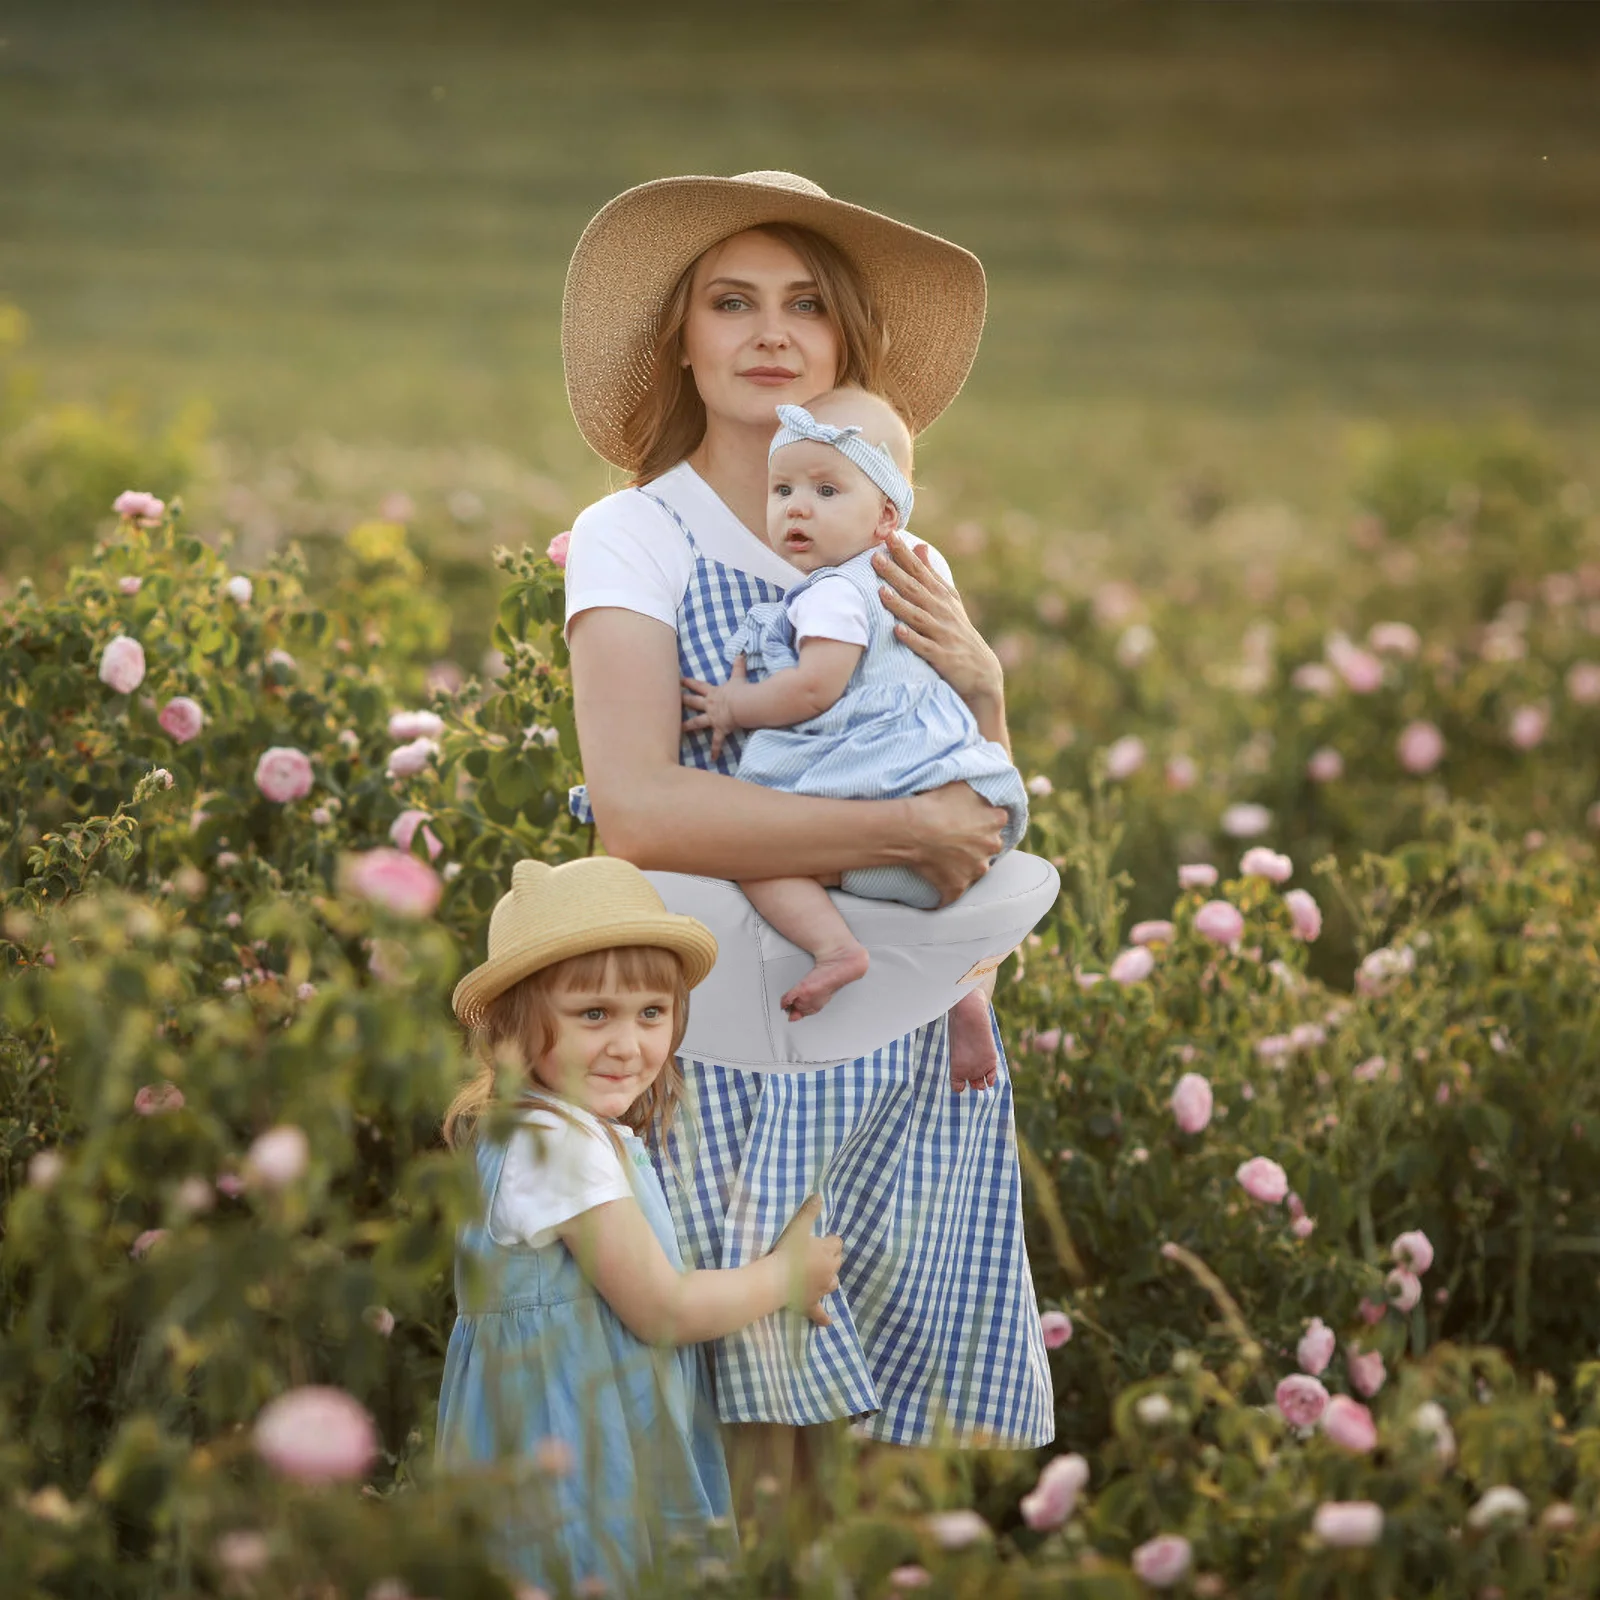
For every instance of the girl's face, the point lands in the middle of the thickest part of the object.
(821, 508)
(757, 334)
(611, 1044)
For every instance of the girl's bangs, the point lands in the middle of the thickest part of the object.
(634, 966)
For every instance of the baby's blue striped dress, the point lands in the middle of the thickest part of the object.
(935, 1333)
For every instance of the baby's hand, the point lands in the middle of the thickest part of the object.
(812, 1263)
(714, 704)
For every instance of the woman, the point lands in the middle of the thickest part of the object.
(693, 308)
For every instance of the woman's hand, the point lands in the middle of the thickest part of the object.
(934, 623)
(714, 703)
(958, 833)
(811, 1264)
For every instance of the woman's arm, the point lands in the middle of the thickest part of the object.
(658, 814)
(934, 623)
(618, 1252)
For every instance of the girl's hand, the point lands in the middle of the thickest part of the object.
(934, 623)
(811, 1264)
(714, 703)
(958, 833)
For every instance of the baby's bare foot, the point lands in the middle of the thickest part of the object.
(831, 973)
(973, 1061)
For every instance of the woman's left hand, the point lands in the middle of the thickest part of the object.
(933, 622)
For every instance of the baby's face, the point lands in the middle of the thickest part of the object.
(821, 508)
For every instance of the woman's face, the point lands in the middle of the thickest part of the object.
(757, 335)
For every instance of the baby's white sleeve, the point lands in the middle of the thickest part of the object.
(554, 1171)
(625, 552)
(831, 608)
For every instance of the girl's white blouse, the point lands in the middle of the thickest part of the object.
(555, 1171)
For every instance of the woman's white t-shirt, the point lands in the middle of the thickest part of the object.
(627, 552)
(557, 1167)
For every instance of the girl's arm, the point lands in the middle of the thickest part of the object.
(657, 1303)
(934, 623)
(657, 814)
(793, 695)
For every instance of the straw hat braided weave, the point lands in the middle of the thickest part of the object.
(551, 913)
(929, 293)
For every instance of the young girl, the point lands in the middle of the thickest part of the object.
(845, 709)
(570, 1360)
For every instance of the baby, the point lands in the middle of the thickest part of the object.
(843, 708)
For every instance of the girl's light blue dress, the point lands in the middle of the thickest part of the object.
(537, 1355)
(897, 730)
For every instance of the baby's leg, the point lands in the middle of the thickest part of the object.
(799, 908)
(974, 1064)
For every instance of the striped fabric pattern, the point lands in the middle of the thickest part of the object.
(935, 1333)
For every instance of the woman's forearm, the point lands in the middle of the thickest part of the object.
(989, 710)
(680, 819)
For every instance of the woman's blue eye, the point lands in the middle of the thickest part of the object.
(808, 304)
(731, 302)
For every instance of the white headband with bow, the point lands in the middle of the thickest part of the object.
(796, 423)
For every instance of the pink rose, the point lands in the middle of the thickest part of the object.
(1303, 1227)
(1197, 875)
(407, 760)
(1349, 1424)
(155, 1098)
(1361, 670)
(1132, 966)
(122, 664)
(1055, 1496)
(1316, 1347)
(1056, 1326)
(380, 1319)
(1220, 922)
(1191, 1103)
(1583, 683)
(182, 718)
(956, 1530)
(1039, 786)
(1261, 862)
(1371, 1311)
(1181, 774)
(1382, 967)
(239, 589)
(231, 1185)
(392, 879)
(1420, 747)
(1163, 1562)
(137, 505)
(147, 1241)
(1124, 757)
(910, 1576)
(1325, 765)
(1263, 1179)
(278, 1158)
(129, 585)
(404, 725)
(556, 550)
(1348, 1524)
(284, 774)
(404, 830)
(1312, 677)
(1152, 933)
(1301, 1400)
(1046, 1042)
(1370, 1070)
(45, 1168)
(1528, 726)
(1305, 915)
(1413, 1250)
(1405, 1289)
(1394, 639)
(1246, 820)
(1366, 1370)
(316, 1435)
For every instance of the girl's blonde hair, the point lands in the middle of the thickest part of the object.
(670, 420)
(523, 1021)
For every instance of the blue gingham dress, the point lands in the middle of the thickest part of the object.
(935, 1334)
(898, 729)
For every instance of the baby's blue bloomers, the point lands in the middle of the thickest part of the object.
(897, 730)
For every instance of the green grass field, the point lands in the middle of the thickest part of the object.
(1226, 244)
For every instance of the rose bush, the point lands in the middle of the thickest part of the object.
(225, 1047)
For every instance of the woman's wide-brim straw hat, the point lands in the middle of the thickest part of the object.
(929, 293)
(551, 913)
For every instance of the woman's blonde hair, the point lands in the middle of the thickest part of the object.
(670, 420)
(522, 1021)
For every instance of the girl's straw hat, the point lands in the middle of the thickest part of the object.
(929, 293)
(555, 912)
